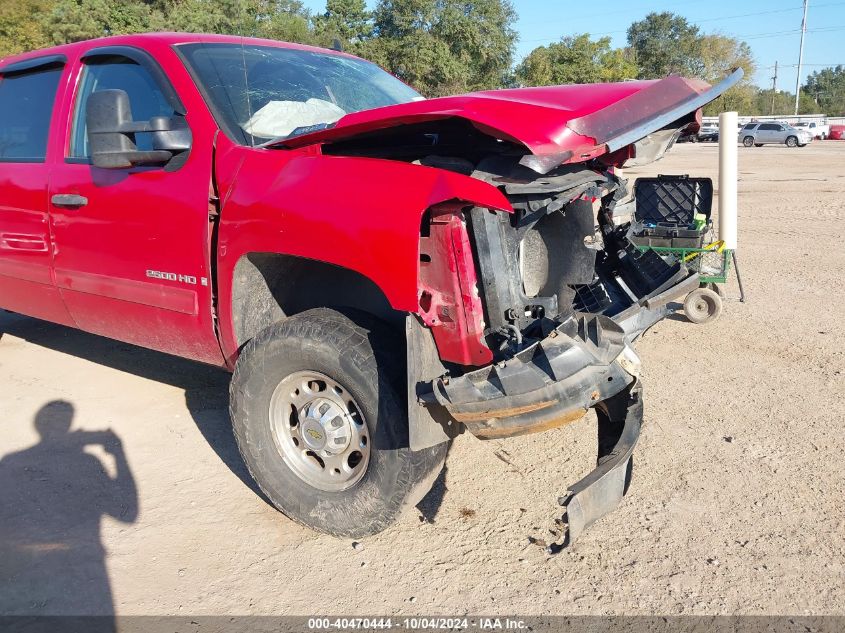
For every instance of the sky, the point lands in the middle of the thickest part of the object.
(771, 27)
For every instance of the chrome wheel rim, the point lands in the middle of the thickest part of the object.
(319, 431)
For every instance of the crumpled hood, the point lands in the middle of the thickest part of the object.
(577, 122)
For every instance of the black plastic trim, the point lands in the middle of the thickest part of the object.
(602, 490)
(142, 58)
(36, 63)
(23, 160)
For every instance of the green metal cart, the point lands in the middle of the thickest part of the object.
(712, 262)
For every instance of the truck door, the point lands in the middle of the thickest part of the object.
(132, 259)
(27, 97)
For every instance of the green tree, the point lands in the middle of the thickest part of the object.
(20, 26)
(444, 46)
(229, 17)
(347, 21)
(481, 36)
(286, 20)
(419, 59)
(827, 88)
(575, 59)
(784, 103)
(75, 20)
(665, 43)
(718, 56)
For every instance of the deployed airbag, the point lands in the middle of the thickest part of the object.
(278, 119)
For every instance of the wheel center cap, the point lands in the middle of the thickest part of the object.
(313, 434)
(324, 427)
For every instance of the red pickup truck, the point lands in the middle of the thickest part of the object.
(380, 271)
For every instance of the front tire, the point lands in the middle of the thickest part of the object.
(791, 141)
(748, 141)
(317, 409)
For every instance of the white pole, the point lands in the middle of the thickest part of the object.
(728, 171)
(801, 56)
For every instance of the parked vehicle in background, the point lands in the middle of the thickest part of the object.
(380, 271)
(818, 130)
(709, 132)
(759, 134)
(837, 132)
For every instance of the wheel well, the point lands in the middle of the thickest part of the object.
(267, 287)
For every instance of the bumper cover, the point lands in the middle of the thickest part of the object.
(597, 494)
(550, 383)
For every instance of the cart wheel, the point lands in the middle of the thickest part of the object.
(714, 287)
(703, 305)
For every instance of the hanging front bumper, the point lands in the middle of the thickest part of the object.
(598, 494)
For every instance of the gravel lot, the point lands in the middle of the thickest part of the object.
(736, 504)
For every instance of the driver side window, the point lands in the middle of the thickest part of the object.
(145, 95)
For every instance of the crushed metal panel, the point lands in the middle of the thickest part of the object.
(633, 118)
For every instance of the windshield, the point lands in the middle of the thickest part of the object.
(260, 93)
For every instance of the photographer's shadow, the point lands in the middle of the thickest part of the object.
(52, 498)
(206, 388)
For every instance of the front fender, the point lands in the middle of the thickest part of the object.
(363, 214)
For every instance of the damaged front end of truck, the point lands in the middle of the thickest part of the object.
(561, 297)
(527, 318)
(564, 296)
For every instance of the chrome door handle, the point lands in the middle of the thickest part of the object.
(69, 200)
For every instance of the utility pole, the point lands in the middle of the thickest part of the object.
(774, 88)
(801, 56)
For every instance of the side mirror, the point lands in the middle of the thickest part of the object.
(111, 133)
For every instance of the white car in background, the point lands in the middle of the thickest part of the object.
(818, 130)
(708, 132)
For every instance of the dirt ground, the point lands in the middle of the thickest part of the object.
(736, 504)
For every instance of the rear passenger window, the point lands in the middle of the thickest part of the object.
(26, 105)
